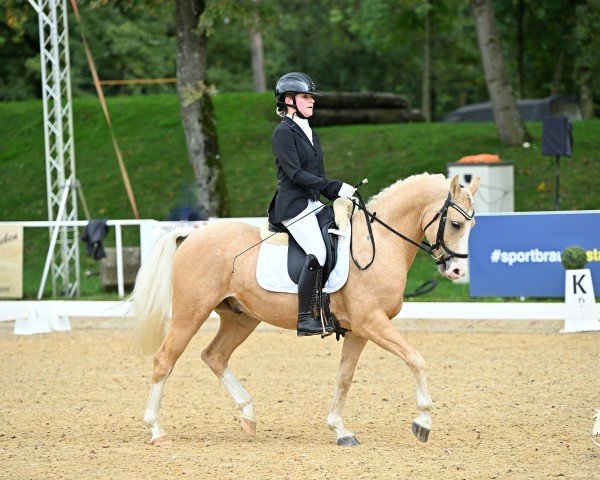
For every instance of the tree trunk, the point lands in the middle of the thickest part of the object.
(197, 112)
(504, 105)
(520, 46)
(586, 98)
(426, 87)
(258, 58)
(586, 58)
(558, 73)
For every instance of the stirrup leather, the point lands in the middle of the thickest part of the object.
(311, 320)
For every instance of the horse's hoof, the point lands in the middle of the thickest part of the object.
(160, 442)
(248, 426)
(420, 432)
(348, 441)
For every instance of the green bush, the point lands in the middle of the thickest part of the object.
(574, 258)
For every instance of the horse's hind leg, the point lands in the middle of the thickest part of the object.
(379, 329)
(181, 331)
(353, 347)
(233, 331)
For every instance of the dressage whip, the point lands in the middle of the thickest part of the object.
(359, 184)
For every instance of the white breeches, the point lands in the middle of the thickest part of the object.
(307, 233)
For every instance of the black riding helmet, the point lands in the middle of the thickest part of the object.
(293, 83)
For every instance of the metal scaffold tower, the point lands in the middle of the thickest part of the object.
(62, 262)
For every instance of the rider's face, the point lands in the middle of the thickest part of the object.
(305, 103)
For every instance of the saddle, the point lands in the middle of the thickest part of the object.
(333, 222)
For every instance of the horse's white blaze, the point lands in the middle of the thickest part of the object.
(241, 397)
(457, 267)
(153, 407)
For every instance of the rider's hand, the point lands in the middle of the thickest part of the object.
(346, 191)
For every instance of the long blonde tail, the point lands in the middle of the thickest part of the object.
(151, 298)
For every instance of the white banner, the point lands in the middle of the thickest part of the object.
(11, 261)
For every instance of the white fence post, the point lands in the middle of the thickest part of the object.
(119, 252)
(56, 229)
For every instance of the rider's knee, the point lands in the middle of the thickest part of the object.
(319, 252)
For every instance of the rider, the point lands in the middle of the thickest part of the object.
(300, 182)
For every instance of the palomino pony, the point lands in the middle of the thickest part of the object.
(189, 275)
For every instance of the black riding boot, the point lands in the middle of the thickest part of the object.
(309, 289)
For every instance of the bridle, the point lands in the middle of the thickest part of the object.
(439, 238)
(424, 245)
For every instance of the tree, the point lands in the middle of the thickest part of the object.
(426, 107)
(232, 14)
(258, 57)
(353, 45)
(19, 51)
(197, 112)
(504, 105)
(587, 58)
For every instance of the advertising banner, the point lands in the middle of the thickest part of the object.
(11, 261)
(519, 254)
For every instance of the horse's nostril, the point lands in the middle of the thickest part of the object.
(457, 271)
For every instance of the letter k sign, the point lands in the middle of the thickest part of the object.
(581, 314)
(577, 284)
(579, 288)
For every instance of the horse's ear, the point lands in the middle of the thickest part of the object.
(474, 185)
(454, 186)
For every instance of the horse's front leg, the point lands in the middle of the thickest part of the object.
(379, 329)
(353, 347)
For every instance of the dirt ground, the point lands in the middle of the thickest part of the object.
(512, 400)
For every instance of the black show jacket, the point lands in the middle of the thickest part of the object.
(300, 172)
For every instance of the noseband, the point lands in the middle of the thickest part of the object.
(424, 245)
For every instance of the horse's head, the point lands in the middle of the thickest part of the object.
(448, 232)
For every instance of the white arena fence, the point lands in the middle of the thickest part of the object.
(41, 316)
(149, 230)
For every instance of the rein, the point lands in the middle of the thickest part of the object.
(424, 244)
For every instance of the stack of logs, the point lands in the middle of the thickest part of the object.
(346, 108)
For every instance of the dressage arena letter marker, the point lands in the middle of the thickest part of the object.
(578, 287)
(579, 293)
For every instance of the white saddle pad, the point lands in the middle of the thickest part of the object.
(272, 274)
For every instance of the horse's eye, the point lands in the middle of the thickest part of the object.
(455, 224)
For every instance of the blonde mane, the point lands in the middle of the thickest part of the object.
(402, 183)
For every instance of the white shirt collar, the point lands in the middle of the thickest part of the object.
(303, 124)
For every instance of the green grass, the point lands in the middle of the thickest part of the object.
(149, 131)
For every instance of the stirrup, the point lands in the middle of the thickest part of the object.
(327, 330)
(332, 320)
(322, 304)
